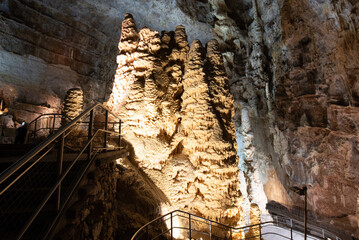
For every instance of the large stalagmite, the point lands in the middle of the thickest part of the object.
(177, 112)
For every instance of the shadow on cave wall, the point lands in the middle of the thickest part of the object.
(139, 199)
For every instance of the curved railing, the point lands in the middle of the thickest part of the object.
(39, 162)
(46, 123)
(182, 225)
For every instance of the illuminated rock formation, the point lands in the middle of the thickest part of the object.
(73, 104)
(292, 69)
(174, 126)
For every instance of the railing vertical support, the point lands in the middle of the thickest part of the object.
(210, 230)
(190, 227)
(230, 232)
(35, 128)
(147, 234)
(119, 133)
(90, 133)
(60, 159)
(291, 229)
(106, 128)
(305, 212)
(171, 227)
(53, 124)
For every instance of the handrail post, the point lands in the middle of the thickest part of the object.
(35, 128)
(106, 127)
(291, 229)
(189, 225)
(230, 232)
(147, 234)
(171, 227)
(53, 124)
(60, 159)
(305, 212)
(119, 133)
(210, 230)
(90, 133)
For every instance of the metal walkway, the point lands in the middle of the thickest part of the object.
(183, 225)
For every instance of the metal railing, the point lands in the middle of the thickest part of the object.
(44, 124)
(48, 123)
(28, 174)
(182, 225)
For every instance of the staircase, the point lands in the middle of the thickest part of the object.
(35, 189)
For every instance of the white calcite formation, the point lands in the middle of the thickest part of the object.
(177, 114)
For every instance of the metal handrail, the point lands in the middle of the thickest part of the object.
(32, 132)
(27, 157)
(191, 217)
(58, 138)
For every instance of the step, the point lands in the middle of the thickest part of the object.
(17, 221)
(7, 150)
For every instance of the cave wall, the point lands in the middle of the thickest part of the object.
(48, 47)
(317, 105)
(293, 73)
(292, 68)
(45, 52)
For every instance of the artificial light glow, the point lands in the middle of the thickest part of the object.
(176, 227)
(176, 223)
(2, 110)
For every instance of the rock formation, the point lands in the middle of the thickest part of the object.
(177, 112)
(73, 105)
(292, 69)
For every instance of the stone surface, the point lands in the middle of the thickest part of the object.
(292, 69)
(73, 105)
(177, 112)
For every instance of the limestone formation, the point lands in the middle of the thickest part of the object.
(174, 126)
(292, 73)
(73, 105)
(292, 69)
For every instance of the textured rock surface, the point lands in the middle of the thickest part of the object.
(177, 112)
(292, 68)
(48, 47)
(45, 52)
(93, 213)
(73, 104)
